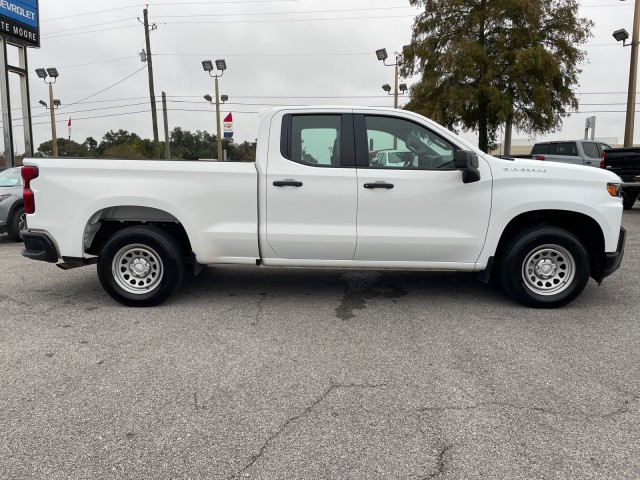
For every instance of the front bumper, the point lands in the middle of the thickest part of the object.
(38, 246)
(612, 260)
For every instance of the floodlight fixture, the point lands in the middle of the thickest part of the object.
(621, 35)
(224, 98)
(56, 103)
(53, 72)
(382, 54)
(41, 72)
(207, 65)
(403, 87)
(208, 98)
(386, 87)
(43, 103)
(221, 65)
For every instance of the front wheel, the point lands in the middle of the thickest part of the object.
(141, 266)
(544, 267)
(628, 199)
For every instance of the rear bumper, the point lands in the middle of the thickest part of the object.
(612, 260)
(38, 246)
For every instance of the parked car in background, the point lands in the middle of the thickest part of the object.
(12, 215)
(392, 158)
(576, 152)
(625, 162)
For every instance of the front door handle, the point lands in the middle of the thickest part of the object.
(287, 183)
(386, 185)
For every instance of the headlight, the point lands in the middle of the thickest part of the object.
(4, 197)
(614, 189)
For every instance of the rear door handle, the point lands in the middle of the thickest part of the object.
(287, 183)
(386, 185)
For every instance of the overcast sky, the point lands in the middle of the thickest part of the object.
(278, 52)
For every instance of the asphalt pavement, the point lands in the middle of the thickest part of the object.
(267, 373)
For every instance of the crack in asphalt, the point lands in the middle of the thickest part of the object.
(259, 313)
(440, 464)
(306, 411)
(623, 408)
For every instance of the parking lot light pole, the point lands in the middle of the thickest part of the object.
(52, 73)
(622, 36)
(221, 65)
(382, 56)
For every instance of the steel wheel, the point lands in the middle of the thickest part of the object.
(548, 270)
(543, 266)
(141, 266)
(137, 268)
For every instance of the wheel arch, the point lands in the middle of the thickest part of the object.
(582, 226)
(109, 220)
(14, 207)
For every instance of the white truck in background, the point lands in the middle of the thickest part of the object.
(317, 197)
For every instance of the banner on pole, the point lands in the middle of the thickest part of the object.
(228, 126)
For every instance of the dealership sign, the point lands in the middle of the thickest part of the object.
(19, 22)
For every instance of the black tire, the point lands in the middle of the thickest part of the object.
(15, 224)
(558, 267)
(141, 266)
(628, 199)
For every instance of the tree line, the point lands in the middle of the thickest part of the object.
(184, 145)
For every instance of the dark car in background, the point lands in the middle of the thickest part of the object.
(12, 215)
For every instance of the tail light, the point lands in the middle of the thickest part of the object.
(538, 157)
(604, 154)
(28, 174)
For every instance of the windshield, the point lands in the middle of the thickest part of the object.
(10, 177)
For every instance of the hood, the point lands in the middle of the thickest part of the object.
(556, 169)
(14, 190)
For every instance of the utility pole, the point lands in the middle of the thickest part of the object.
(154, 113)
(167, 150)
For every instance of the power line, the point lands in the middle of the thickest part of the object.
(226, 22)
(88, 31)
(97, 12)
(99, 61)
(304, 12)
(265, 54)
(87, 26)
(91, 13)
(286, 20)
(93, 95)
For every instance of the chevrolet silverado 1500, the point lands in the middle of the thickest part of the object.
(318, 197)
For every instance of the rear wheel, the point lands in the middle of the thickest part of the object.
(544, 267)
(141, 266)
(16, 223)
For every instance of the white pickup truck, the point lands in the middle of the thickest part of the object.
(317, 197)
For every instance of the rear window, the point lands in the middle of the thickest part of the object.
(540, 149)
(564, 148)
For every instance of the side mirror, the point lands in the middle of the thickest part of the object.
(467, 163)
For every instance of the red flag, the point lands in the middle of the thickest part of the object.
(69, 125)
